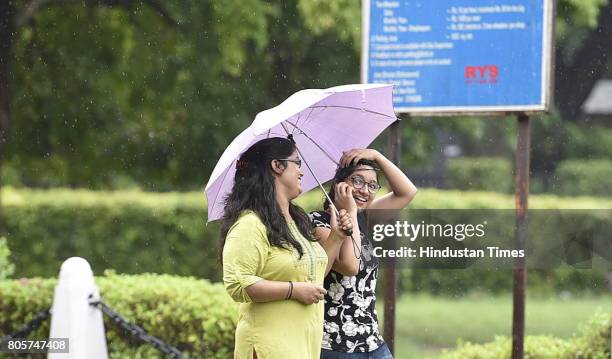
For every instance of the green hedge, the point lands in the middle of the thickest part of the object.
(6, 266)
(129, 231)
(459, 282)
(480, 173)
(578, 177)
(553, 236)
(592, 342)
(197, 317)
(136, 232)
(587, 142)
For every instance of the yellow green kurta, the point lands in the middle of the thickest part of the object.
(279, 329)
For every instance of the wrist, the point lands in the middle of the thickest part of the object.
(289, 291)
(377, 156)
(338, 235)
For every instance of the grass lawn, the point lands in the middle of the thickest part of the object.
(425, 324)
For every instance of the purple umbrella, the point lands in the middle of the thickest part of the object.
(324, 123)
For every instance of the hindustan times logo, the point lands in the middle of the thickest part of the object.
(412, 231)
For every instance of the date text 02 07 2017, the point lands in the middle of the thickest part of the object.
(22, 346)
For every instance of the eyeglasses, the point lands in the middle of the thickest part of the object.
(298, 162)
(358, 182)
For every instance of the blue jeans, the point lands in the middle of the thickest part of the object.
(381, 353)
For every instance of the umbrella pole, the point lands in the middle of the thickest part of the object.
(312, 173)
(348, 232)
(318, 182)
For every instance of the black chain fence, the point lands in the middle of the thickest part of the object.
(132, 329)
(29, 327)
(137, 331)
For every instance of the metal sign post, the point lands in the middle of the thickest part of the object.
(519, 272)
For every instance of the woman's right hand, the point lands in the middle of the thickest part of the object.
(344, 197)
(307, 293)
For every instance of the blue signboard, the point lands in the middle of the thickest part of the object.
(460, 56)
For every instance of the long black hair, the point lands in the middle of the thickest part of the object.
(342, 173)
(254, 190)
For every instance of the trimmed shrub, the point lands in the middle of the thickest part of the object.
(480, 173)
(595, 338)
(579, 177)
(197, 317)
(136, 232)
(587, 143)
(592, 343)
(536, 347)
(459, 282)
(130, 231)
(6, 267)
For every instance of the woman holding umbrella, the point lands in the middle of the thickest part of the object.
(351, 323)
(271, 263)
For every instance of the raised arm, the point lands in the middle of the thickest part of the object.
(402, 189)
(332, 239)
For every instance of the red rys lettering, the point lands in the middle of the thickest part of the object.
(481, 73)
(470, 72)
(482, 70)
(493, 72)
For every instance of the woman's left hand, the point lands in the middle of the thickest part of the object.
(353, 156)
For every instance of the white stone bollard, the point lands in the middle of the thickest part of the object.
(71, 315)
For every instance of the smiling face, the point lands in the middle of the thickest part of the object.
(289, 181)
(362, 177)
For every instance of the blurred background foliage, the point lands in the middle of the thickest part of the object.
(135, 232)
(132, 95)
(143, 94)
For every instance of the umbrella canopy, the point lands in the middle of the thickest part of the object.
(324, 123)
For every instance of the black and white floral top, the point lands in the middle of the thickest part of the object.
(351, 322)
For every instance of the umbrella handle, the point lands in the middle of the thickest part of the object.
(347, 232)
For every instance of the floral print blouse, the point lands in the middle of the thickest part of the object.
(351, 322)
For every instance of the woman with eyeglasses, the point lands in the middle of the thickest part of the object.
(351, 324)
(272, 264)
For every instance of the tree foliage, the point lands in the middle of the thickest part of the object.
(113, 96)
(119, 96)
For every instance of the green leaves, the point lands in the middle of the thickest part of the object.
(116, 97)
(593, 342)
(242, 26)
(192, 314)
(134, 231)
(577, 14)
(6, 267)
(340, 17)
